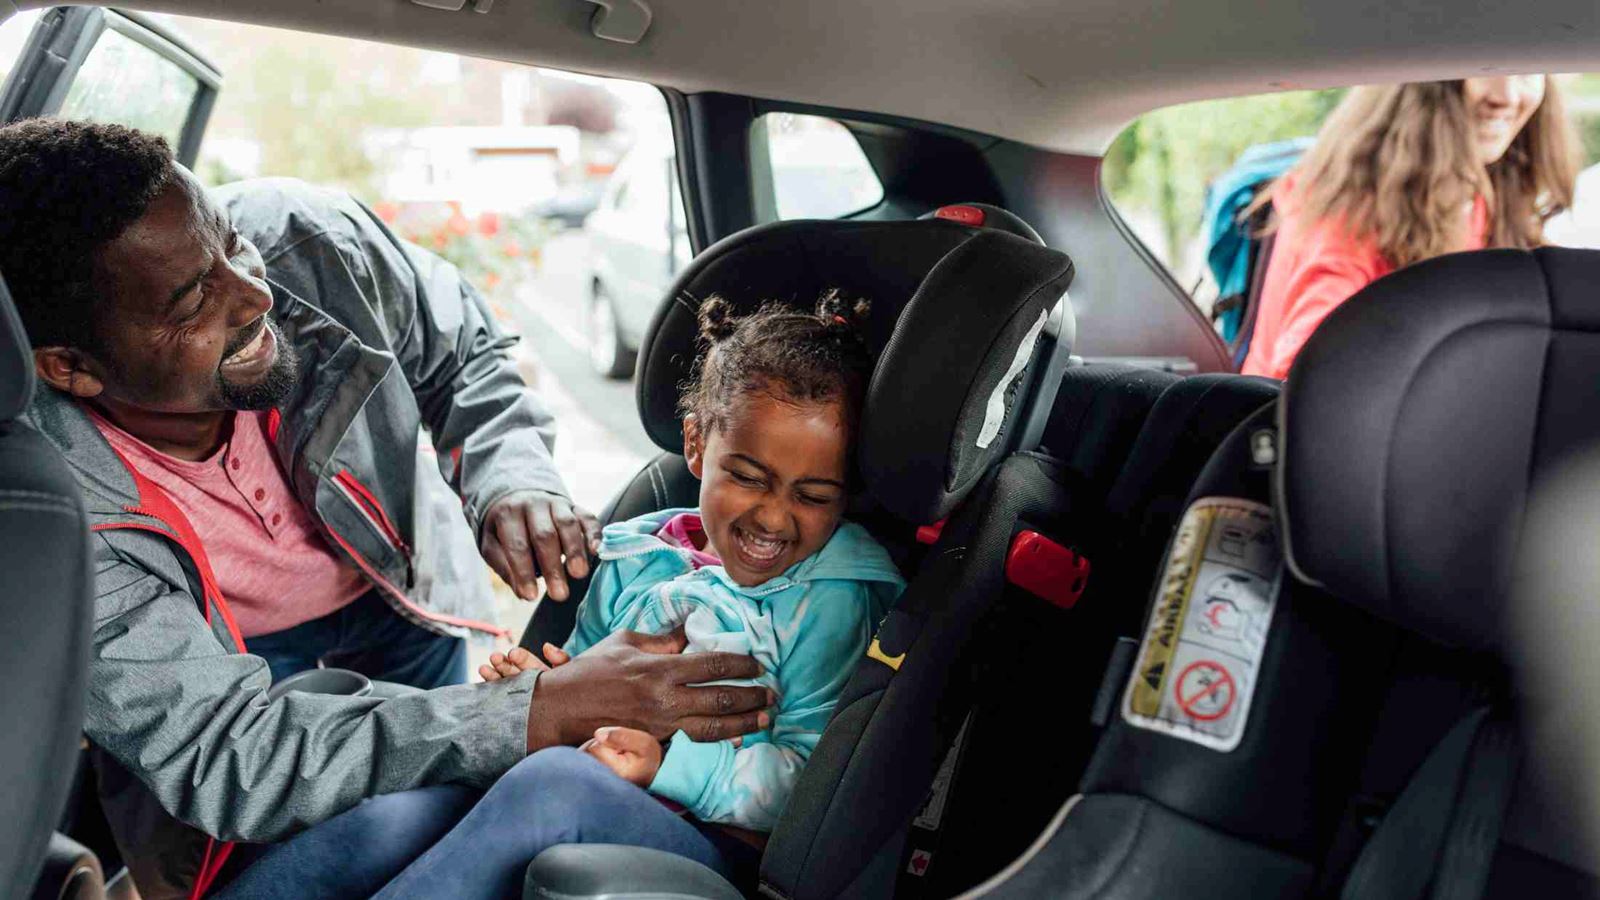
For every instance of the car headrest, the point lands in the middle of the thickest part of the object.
(956, 314)
(1417, 417)
(16, 360)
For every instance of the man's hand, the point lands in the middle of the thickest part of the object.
(642, 682)
(632, 754)
(527, 533)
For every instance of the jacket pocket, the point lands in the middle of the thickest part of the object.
(371, 510)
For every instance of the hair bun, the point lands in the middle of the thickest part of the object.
(717, 319)
(836, 311)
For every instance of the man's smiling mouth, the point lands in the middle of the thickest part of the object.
(259, 349)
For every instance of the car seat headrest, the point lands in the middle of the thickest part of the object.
(956, 314)
(1417, 417)
(16, 360)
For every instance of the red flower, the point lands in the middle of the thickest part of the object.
(458, 224)
(491, 281)
(387, 211)
(511, 248)
(488, 224)
(440, 240)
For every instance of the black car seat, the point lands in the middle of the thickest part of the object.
(969, 293)
(1098, 413)
(1124, 501)
(45, 616)
(964, 315)
(1348, 721)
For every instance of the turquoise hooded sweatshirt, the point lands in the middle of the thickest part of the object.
(807, 627)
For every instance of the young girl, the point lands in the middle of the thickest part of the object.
(765, 566)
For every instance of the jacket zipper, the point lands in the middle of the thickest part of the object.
(399, 596)
(372, 511)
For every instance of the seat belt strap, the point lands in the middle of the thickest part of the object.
(1474, 836)
(1447, 818)
(927, 830)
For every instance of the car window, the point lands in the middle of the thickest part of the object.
(13, 35)
(124, 82)
(810, 167)
(1162, 170)
(645, 194)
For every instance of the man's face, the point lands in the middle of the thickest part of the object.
(183, 322)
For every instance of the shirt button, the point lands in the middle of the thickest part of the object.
(276, 518)
(261, 494)
(235, 464)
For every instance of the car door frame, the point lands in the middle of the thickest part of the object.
(61, 42)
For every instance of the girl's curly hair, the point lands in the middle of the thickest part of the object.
(812, 357)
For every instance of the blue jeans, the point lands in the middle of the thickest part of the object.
(450, 841)
(366, 635)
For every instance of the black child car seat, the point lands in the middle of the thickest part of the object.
(965, 320)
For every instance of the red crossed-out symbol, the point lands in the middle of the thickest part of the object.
(1205, 690)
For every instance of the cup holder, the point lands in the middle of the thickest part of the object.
(323, 681)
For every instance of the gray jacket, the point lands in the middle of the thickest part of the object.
(391, 340)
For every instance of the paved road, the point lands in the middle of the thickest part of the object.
(601, 442)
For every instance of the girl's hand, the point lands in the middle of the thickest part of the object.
(632, 754)
(519, 660)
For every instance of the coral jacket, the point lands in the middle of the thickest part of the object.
(1316, 266)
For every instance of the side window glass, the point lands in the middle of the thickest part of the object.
(810, 167)
(1196, 185)
(13, 35)
(1158, 172)
(645, 195)
(124, 82)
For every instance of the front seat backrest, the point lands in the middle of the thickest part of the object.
(1455, 385)
(44, 618)
(1415, 430)
(1414, 425)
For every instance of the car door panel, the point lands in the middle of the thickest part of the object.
(105, 65)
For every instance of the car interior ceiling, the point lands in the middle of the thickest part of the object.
(1062, 78)
(984, 748)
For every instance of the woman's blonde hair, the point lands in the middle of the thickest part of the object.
(1397, 164)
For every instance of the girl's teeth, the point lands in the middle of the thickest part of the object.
(760, 548)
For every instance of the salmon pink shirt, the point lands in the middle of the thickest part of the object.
(271, 564)
(1316, 266)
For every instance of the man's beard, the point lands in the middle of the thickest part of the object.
(273, 388)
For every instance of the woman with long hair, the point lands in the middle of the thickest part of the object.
(1402, 173)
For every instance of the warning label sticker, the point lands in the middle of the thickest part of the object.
(1202, 650)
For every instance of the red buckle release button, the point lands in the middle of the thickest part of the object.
(966, 215)
(929, 534)
(1046, 569)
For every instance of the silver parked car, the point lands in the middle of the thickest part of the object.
(638, 242)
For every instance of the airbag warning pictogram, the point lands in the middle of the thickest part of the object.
(1202, 650)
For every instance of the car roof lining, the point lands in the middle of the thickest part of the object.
(1063, 76)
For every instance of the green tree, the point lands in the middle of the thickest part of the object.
(310, 116)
